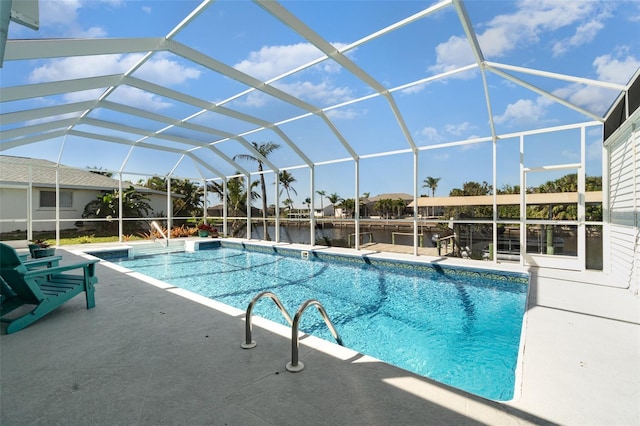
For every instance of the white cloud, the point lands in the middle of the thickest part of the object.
(272, 61)
(507, 32)
(60, 18)
(414, 89)
(617, 67)
(523, 111)
(138, 98)
(458, 129)
(584, 34)
(452, 54)
(254, 99)
(85, 95)
(158, 69)
(323, 92)
(430, 134)
(53, 118)
(608, 68)
(77, 67)
(162, 70)
(344, 114)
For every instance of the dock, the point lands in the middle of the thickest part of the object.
(397, 248)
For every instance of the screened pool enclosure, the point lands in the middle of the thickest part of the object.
(390, 125)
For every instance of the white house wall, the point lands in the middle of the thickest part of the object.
(68, 215)
(13, 209)
(158, 204)
(624, 202)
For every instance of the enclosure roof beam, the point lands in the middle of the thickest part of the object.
(44, 112)
(328, 49)
(17, 50)
(39, 90)
(538, 90)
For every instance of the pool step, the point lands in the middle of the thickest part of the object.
(150, 250)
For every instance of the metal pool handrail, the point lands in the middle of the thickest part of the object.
(248, 343)
(159, 229)
(294, 366)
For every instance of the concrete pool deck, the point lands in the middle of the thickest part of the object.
(146, 355)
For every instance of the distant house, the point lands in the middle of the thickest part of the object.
(218, 211)
(323, 212)
(369, 203)
(20, 176)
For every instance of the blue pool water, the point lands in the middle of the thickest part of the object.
(459, 327)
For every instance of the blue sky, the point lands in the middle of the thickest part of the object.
(595, 40)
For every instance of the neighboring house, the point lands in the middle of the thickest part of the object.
(77, 188)
(323, 212)
(218, 211)
(369, 203)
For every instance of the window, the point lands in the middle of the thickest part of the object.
(48, 199)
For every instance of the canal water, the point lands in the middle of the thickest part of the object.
(344, 237)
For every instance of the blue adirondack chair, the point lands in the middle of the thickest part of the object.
(44, 289)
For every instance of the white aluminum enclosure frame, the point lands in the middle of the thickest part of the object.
(34, 125)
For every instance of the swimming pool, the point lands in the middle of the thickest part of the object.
(458, 326)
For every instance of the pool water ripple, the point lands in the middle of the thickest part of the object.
(462, 330)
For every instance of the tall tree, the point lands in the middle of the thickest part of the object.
(432, 184)
(399, 205)
(334, 199)
(349, 206)
(307, 201)
(191, 202)
(470, 189)
(286, 179)
(264, 149)
(236, 199)
(384, 207)
(107, 205)
(322, 194)
(364, 201)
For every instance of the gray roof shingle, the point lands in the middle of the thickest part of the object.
(17, 170)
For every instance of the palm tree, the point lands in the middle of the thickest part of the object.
(263, 149)
(364, 200)
(431, 183)
(334, 199)
(307, 201)
(134, 204)
(384, 207)
(349, 206)
(236, 199)
(190, 204)
(286, 179)
(399, 205)
(322, 194)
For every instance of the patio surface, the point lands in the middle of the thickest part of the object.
(147, 355)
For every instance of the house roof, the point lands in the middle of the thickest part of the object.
(390, 196)
(18, 171)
